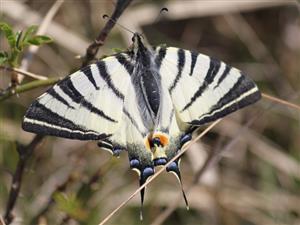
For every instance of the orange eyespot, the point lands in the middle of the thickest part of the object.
(164, 139)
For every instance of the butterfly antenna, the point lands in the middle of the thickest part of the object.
(160, 13)
(105, 16)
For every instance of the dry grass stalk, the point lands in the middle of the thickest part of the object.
(281, 101)
(24, 73)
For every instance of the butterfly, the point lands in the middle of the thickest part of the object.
(146, 101)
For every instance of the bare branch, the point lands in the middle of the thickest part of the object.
(24, 155)
(99, 41)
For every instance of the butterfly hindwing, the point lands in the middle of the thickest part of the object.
(86, 105)
(202, 88)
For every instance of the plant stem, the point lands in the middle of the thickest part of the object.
(24, 155)
(99, 41)
(27, 87)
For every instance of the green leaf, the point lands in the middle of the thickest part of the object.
(14, 58)
(9, 34)
(39, 39)
(29, 32)
(18, 40)
(3, 57)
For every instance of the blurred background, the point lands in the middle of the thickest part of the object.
(254, 180)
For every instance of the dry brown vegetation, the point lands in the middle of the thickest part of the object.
(245, 170)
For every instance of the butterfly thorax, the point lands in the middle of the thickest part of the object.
(147, 83)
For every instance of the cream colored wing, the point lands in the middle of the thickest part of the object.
(86, 105)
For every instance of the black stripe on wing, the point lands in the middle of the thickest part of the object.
(106, 77)
(125, 62)
(194, 56)
(55, 95)
(87, 71)
(180, 65)
(214, 67)
(46, 122)
(159, 58)
(69, 89)
(243, 85)
(223, 76)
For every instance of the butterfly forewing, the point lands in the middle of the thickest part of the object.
(85, 105)
(202, 88)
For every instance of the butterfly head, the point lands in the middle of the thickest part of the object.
(137, 37)
(137, 40)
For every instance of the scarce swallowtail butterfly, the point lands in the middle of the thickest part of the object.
(146, 101)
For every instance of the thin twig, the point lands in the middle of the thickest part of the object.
(24, 155)
(25, 73)
(27, 87)
(99, 41)
(159, 171)
(280, 101)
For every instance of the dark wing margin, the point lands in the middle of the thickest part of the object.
(243, 93)
(39, 119)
